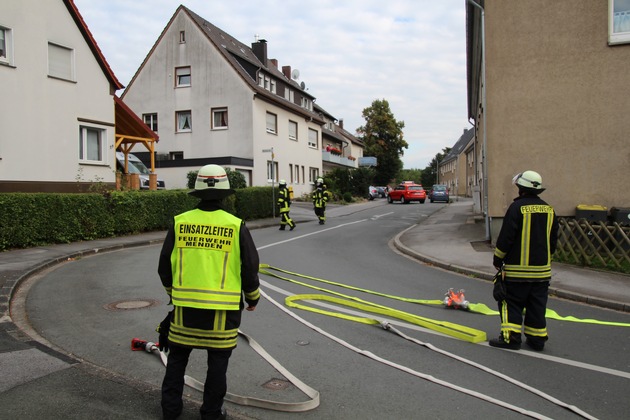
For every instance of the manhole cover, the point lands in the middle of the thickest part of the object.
(125, 305)
(276, 384)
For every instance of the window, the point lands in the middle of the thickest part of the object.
(91, 144)
(288, 95)
(151, 120)
(297, 174)
(272, 171)
(219, 118)
(182, 37)
(60, 62)
(312, 138)
(293, 130)
(618, 22)
(313, 174)
(291, 172)
(6, 53)
(175, 155)
(184, 121)
(272, 123)
(182, 76)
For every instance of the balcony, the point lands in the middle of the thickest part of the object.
(347, 161)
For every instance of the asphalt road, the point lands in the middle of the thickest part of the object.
(93, 307)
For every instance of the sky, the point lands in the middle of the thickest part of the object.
(349, 53)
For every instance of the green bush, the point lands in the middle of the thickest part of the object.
(35, 219)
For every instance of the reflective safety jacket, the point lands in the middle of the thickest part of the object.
(527, 239)
(284, 201)
(206, 261)
(320, 198)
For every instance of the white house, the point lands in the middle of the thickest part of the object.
(213, 99)
(57, 127)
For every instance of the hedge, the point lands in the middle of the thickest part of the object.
(36, 219)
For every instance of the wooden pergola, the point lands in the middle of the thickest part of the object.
(130, 131)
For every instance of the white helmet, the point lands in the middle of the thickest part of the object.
(212, 183)
(530, 180)
(282, 182)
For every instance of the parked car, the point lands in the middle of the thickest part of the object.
(439, 193)
(135, 166)
(406, 193)
(372, 192)
(382, 191)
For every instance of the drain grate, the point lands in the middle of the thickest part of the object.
(276, 384)
(126, 305)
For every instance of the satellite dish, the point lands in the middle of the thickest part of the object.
(295, 74)
(302, 85)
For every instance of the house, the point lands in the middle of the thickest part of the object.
(213, 99)
(58, 130)
(455, 169)
(548, 90)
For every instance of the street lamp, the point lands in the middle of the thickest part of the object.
(273, 192)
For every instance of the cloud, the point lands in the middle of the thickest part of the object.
(411, 53)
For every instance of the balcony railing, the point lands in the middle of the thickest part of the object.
(340, 160)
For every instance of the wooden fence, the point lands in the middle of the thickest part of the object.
(594, 244)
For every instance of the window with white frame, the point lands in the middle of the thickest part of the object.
(182, 76)
(618, 22)
(291, 171)
(272, 123)
(288, 95)
(6, 46)
(293, 130)
(92, 142)
(312, 138)
(313, 174)
(151, 120)
(297, 174)
(272, 171)
(60, 62)
(219, 118)
(183, 121)
(182, 37)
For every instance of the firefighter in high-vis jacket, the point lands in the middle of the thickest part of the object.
(524, 247)
(284, 203)
(320, 198)
(209, 267)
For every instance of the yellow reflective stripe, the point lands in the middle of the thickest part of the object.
(253, 295)
(537, 332)
(219, 320)
(527, 225)
(499, 253)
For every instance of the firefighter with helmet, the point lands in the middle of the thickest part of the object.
(284, 203)
(524, 247)
(320, 198)
(209, 268)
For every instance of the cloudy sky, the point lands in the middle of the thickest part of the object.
(349, 53)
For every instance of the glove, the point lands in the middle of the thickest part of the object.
(499, 292)
(163, 330)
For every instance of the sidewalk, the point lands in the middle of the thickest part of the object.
(38, 382)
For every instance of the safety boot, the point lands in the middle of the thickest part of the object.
(501, 343)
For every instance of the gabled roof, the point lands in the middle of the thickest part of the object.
(460, 145)
(239, 55)
(129, 124)
(87, 35)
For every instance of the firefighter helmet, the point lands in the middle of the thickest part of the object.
(529, 181)
(212, 183)
(282, 183)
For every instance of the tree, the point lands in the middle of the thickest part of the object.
(383, 139)
(414, 175)
(429, 174)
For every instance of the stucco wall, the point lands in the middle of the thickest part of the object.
(557, 101)
(39, 134)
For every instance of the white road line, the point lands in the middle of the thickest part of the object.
(308, 234)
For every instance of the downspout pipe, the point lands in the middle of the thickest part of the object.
(485, 115)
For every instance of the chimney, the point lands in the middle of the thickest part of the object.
(260, 50)
(286, 70)
(341, 123)
(274, 62)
